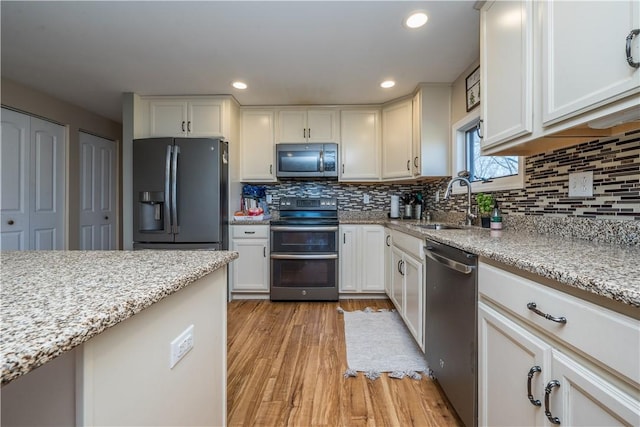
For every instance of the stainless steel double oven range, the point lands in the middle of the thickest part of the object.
(304, 250)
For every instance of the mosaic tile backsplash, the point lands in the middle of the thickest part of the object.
(615, 163)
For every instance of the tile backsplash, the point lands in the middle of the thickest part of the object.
(615, 163)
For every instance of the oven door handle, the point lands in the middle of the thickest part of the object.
(293, 228)
(454, 265)
(302, 256)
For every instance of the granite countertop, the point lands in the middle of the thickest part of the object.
(605, 269)
(53, 301)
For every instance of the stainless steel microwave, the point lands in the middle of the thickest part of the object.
(307, 160)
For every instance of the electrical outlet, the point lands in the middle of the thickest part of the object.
(365, 199)
(269, 198)
(581, 184)
(181, 346)
(438, 196)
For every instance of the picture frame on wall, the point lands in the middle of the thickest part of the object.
(473, 89)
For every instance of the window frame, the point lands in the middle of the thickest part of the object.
(458, 160)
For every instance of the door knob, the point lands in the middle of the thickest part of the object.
(10, 222)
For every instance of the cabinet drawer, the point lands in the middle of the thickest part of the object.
(602, 335)
(250, 231)
(409, 244)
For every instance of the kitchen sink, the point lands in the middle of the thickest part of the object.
(440, 226)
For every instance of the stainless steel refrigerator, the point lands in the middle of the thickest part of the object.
(180, 193)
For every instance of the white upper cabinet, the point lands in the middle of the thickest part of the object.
(556, 73)
(397, 131)
(431, 130)
(257, 152)
(360, 145)
(506, 70)
(308, 125)
(180, 117)
(583, 61)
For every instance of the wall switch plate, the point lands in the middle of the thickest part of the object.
(581, 184)
(365, 199)
(180, 346)
(438, 196)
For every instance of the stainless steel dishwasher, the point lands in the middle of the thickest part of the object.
(450, 325)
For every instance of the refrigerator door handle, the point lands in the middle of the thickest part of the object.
(174, 189)
(167, 189)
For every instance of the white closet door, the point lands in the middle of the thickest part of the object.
(47, 158)
(97, 193)
(14, 172)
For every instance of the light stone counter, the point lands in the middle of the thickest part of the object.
(53, 301)
(608, 270)
(604, 269)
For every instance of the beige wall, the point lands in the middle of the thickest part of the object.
(458, 94)
(22, 98)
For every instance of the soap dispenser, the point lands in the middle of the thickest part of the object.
(496, 217)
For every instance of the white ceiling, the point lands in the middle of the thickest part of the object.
(291, 52)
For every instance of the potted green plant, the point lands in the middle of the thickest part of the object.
(485, 205)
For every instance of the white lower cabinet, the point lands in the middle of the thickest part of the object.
(388, 267)
(407, 283)
(528, 375)
(250, 272)
(362, 258)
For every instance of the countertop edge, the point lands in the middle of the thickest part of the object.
(21, 364)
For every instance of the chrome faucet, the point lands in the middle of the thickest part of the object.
(463, 177)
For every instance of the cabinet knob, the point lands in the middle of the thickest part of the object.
(630, 37)
(106, 217)
(10, 222)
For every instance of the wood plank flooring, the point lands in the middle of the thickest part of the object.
(286, 362)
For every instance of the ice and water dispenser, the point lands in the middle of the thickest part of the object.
(151, 211)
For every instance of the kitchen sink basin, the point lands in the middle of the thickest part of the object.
(440, 226)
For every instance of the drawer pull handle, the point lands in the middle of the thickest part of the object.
(532, 371)
(532, 306)
(547, 393)
(249, 232)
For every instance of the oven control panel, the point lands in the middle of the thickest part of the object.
(302, 203)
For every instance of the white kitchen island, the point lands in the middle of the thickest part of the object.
(86, 337)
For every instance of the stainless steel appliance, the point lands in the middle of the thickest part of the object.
(307, 160)
(180, 193)
(304, 250)
(451, 332)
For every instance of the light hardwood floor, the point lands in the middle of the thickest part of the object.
(286, 362)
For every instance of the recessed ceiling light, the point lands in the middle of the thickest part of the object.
(387, 84)
(416, 20)
(239, 85)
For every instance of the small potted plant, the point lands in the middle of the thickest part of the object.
(485, 205)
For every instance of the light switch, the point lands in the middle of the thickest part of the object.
(581, 184)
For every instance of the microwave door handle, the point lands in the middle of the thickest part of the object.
(321, 161)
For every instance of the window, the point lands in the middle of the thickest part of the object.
(488, 173)
(486, 168)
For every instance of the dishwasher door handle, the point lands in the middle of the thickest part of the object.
(452, 264)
